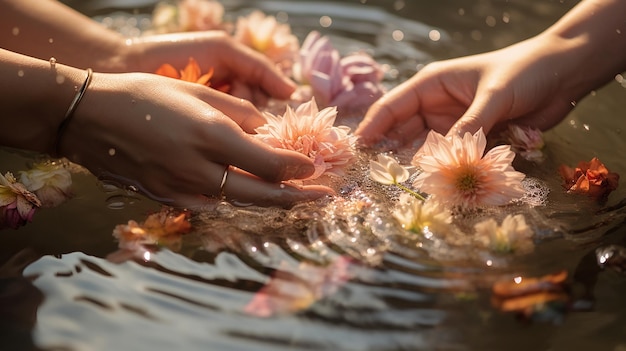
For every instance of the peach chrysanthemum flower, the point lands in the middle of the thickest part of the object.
(455, 172)
(199, 15)
(187, 16)
(312, 133)
(265, 35)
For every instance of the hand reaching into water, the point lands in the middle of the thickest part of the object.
(535, 82)
(171, 139)
(167, 138)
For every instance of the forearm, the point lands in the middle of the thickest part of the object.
(47, 28)
(34, 96)
(598, 30)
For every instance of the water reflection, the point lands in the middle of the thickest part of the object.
(398, 292)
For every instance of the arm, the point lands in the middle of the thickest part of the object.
(533, 82)
(153, 132)
(47, 28)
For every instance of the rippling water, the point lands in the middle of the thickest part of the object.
(370, 286)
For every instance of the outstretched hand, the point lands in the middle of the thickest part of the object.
(173, 140)
(526, 83)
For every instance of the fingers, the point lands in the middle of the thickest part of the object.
(242, 188)
(485, 111)
(241, 111)
(255, 69)
(227, 144)
(392, 109)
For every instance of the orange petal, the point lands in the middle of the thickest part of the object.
(191, 71)
(168, 70)
(523, 302)
(204, 79)
(548, 282)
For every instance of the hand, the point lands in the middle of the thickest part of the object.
(251, 75)
(173, 140)
(529, 83)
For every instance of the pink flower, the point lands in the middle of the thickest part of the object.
(526, 141)
(456, 173)
(265, 35)
(50, 181)
(187, 16)
(312, 133)
(352, 83)
(198, 15)
(17, 204)
(287, 292)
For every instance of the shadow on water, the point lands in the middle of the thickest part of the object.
(369, 287)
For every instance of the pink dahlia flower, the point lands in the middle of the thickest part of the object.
(312, 133)
(526, 141)
(456, 172)
(352, 83)
(17, 204)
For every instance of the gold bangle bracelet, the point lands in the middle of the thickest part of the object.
(70, 111)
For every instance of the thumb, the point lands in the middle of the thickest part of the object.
(484, 112)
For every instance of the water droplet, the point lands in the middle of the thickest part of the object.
(111, 152)
(397, 35)
(53, 62)
(253, 249)
(50, 40)
(326, 21)
(148, 117)
(15, 31)
(20, 73)
(120, 202)
(434, 35)
(147, 256)
(490, 21)
(517, 280)
(116, 205)
(282, 186)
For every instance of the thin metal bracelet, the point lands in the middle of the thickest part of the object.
(70, 111)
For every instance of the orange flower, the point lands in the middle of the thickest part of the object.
(191, 73)
(591, 178)
(163, 228)
(531, 297)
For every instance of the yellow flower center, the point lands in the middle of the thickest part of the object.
(467, 181)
